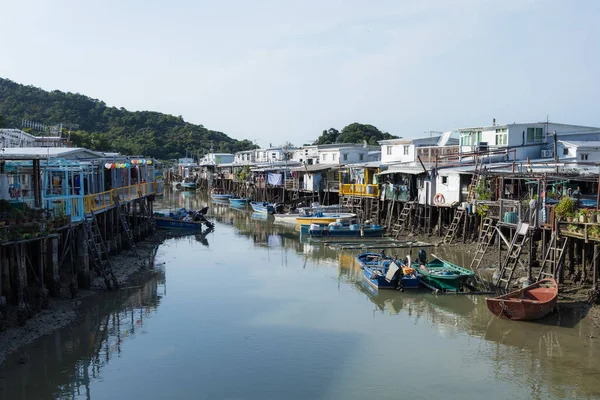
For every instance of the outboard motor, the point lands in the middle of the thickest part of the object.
(422, 256)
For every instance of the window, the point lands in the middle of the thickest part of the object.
(388, 150)
(445, 180)
(584, 156)
(361, 157)
(501, 136)
(470, 138)
(345, 156)
(565, 152)
(333, 156)
(324, 157)
(405, 150)
(535, 135)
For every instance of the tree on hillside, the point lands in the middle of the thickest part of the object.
(2, 121)
(357, 133)
(354, 133)
(328, 136)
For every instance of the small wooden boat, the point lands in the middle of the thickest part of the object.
(384, 272)
(219, 194)
(355, 230)
(532, 302)
(322, 218)
(262, 207)
(441, 274)
(239, 202)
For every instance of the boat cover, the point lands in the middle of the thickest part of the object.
(391, 271)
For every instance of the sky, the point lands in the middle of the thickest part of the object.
(285, 70)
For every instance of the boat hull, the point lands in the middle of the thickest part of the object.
(263, 208)
(221, 197)
(169, 223)
(342, 232)
(443, 275)
(239, 203)
(324, 220)
(527, 304)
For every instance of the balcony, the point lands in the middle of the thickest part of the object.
(359, 190)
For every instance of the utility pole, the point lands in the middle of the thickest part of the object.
(555, 151)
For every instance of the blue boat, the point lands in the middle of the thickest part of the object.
(188, 185)
(348, 231)
(239, 202)
(385, 272)
(183, 219)
(219, 194)
(170, 223)
(262, 207)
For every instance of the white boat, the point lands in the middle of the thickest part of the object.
(290, 218)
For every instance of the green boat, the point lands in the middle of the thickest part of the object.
(441, 274)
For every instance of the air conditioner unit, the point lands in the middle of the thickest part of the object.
(481, 146)
(547, 153)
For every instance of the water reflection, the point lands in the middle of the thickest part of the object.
(65, 362)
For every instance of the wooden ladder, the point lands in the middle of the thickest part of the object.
(553, 258)
(399, 226)
(487, 233)
(98, 252)
(472, 186)
(458, 215)
(512, 257)
(148, 215)
(125, 226)
(374, 214)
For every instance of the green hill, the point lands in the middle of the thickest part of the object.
(109, 128)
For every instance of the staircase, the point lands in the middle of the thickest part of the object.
(487, 233)
(553, 257)
(125, 225)
(512, 258)
(98, 252)
(451, 233)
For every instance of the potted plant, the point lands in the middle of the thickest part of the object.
(582, 216)
(593, 216)
(564, 209)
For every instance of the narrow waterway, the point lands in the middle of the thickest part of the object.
(250, 312)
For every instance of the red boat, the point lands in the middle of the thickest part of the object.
(532, 302)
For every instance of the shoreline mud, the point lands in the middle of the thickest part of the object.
(62, 312)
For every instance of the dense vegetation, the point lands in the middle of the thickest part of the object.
(109, 128)
(354, 133)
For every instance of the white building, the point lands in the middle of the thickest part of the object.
(308, 155)
(217, 158)
(406, 149)
(273, 154)
(344, 153)
(581, 151)
(522, 139)
(246, 157)
(15, 138)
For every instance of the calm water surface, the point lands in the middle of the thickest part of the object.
(250, 312)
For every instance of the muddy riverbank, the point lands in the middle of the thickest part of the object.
(61, 312)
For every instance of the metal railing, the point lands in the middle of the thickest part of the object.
(355, 189)
(103, 200)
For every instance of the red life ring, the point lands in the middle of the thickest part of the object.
(439, 199)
